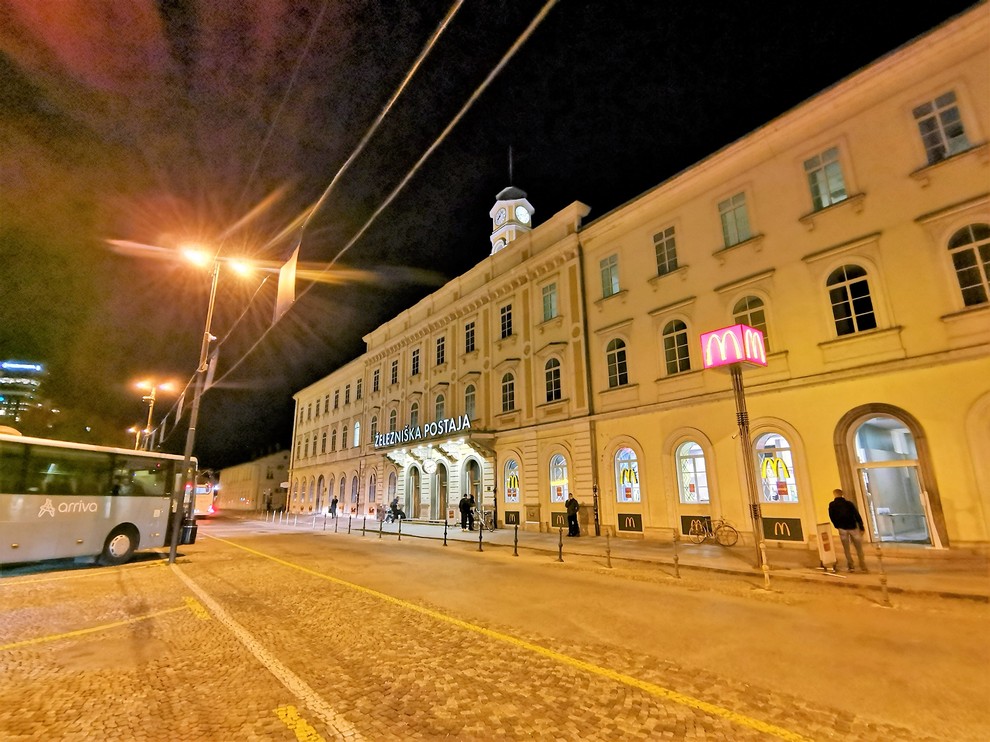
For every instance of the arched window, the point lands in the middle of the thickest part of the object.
(512, 481)
(391, 485)
(414, 414)
(306, 448)
(615, 357)
(354, 490)
(391, 421)
(333, 439)
(675, 348)
(970, 251)
(508, 393)
(469, 402)
(372, 482)
(626, 476)
(775, 467)
(852, 306)
(295, 492)
(330, 492)
(357, 433)
(323, 442)
(374, 427)
(440, 407)
(552, 370)
(558, 478)
(692, 474)
(750, 311)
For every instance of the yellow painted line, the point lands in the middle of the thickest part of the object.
(197, 609)
(11, 581)
(647, 687)
(297, 725)
(91, 630)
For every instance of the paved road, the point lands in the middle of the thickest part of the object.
(263, 635)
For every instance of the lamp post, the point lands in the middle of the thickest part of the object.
(150, 398)
(136, 430)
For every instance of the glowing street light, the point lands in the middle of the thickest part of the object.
(152, 388)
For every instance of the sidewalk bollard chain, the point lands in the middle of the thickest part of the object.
(560, 544)
(608, 549)
(515, 542)
(677, 566)
(444, 531)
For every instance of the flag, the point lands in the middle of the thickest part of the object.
(286, 286)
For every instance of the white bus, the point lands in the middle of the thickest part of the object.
(61, 500)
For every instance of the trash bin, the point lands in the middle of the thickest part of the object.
(189, 529)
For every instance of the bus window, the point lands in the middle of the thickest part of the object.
(140, 476)
(56, 471)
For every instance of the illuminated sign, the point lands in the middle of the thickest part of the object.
(433, 429)
(782, 529)
(735, 344)
(17, 366)
(776, 466)
(630, 522)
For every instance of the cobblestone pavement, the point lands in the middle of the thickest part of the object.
(310, 636)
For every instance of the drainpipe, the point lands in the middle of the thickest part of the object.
(589, 388)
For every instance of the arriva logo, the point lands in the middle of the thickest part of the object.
(67, 507)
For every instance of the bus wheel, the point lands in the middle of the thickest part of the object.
(119, 546)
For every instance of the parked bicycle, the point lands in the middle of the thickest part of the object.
(485, 518)
(715, 529)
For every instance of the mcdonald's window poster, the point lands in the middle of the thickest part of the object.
(692, 473)
(558, 478)
(734, 344)
(627, 475)
(512, 481)
(775, 465)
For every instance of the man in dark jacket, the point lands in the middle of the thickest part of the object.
(572, 505)
(845, 517)
(465, 508)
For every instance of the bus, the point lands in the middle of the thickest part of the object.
(60, 500)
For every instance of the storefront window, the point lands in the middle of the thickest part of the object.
(692, 474)
(558, 479)
(626, 476)
(775, 467)
(512, 481)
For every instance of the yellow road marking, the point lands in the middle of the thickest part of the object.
(90, 630)
(297, 725)
(11, 581)
(197, 608)
(647, 687)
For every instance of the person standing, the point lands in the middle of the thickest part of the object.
(333, 507)
(845, 517)
(465, 509)
(472, 505)
(572, 505)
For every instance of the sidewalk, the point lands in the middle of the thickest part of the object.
(914, 570)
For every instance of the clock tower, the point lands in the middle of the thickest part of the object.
(512, 215)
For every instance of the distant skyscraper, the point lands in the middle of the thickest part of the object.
(19, 385)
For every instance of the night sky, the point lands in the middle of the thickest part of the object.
(169, 122)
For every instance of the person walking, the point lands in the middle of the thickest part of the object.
(333, 508)
(572, 505)
(465, 509)
(845, 517)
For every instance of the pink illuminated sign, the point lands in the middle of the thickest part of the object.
(735, 344)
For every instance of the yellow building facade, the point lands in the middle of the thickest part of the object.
(853, 231)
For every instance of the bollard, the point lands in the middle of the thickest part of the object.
(380, 529)
(883, 577)
(336, 523)
(515, 542)
(481, 530)
(763, 564)
(608, 549)
(560, 544)
(324, 521)
(349, 525)
(444, 531)
(365, 526)
(314, 521)
(400, 529)
(677, 566)
(295, 521)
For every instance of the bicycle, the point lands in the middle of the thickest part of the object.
(716, 529)
(485, 519)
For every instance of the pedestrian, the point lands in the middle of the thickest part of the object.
(465, 508)
(472, 506)
(333, 508)
(572, 505)
(845, 517)
(396, 513)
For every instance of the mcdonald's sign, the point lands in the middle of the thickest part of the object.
(630, 522)
(782, 529)
(776, 466)
(511, 517)
(733, 344)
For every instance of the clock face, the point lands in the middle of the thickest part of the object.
(499, 244)
(501, 216)
(430, 466)
(522, 215)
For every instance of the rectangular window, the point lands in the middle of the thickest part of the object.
(415, 362)
(326, 404)
(357, 389)
(825, 178)
(469, 337)
(610, 275)
(508, 393)
(347, 394)
(549, 302)
(336, 399)
(309, 411)
(441, 351)
(505, 316)
(395, 373)
(735, 221)
(666, 248)
(941, 127)
(375, 380)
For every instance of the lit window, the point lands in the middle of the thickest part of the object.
(511, 481)
(470, 402)
(440, 407)
(692, 475)
(508, 393)
(615, 356)
(357, 433)
(941, 127)
(776, 468)
(825, 178)
(552, 370)
(505, 318)
(970, 251)
(750, 311)
(852, 306)
(666, 247)
(626, 476)
(549, 302)
(558, 478)
(469, 337)
(610, 275)
(414, 414)
(735, 220)
(675, 348)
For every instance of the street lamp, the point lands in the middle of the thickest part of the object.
(136, 430)
(149, 398)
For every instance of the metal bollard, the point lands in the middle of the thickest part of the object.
(883, 577)
(481, 530)
(336, 523)
(364, 527)
(380, 529)
(560, 545)
(295, 522)
(515, 542)
(349, 524)
(400, 528)
(677, 566)
(444, 531)
(763, 564)
(324, 521)
(314, 521)
(608, 549)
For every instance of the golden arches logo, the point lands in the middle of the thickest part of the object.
(775, 465)
(512, 481)
(721, 339)
(781, 529)
(630, 522)
(629, 476)
(753, 344)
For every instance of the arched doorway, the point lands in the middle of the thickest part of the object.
(472, 479)
(320, 489)
(413, 496)
(892, 475)
(438, 493)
